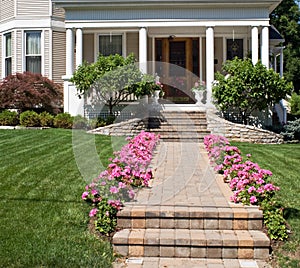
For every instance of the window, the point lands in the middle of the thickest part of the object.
(33, 52)
(8, 54)
(110, 44)
(235, 48)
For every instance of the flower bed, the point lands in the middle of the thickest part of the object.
(251, 185)
(127, 170)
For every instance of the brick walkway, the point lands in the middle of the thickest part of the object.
(186, 220)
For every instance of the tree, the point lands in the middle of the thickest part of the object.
(286, 19)
(111, 79)
(247, 87)
(23, 91)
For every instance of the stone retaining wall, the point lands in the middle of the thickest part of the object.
(238, 132)
(130, 127)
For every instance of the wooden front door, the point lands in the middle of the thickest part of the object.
(183, 56)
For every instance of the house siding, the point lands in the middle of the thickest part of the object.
(1, 58)
(132, 44)
(59, 56)
(47, 54)
(58, 12)
(33, 8)
(7, 9)
(88, 48)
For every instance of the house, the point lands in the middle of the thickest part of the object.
(197, 35)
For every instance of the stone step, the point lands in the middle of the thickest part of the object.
(178, 243)
(181, 217)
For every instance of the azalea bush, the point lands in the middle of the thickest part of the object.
(115, 185)
(251, 185)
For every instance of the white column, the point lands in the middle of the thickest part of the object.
(69, 52)
(281, 61)
(143, 49)
(254, 44)
(265, 46)
(200, 59)
(209, 63)
(79, 47)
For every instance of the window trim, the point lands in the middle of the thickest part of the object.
(5, 56)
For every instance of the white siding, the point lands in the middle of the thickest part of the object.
(33, 7)
(88, 47)
(58, 12)
(1, 53)
(59, 56)
(6, 9)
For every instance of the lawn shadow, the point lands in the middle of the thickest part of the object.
(39, 200)
(291, 213)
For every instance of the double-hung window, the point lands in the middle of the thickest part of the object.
(33, 56)
(8, 54)
(110, 44)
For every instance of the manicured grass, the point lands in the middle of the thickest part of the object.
(284, 161)
(43, 221)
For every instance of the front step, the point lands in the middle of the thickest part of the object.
(181, 217)
(179, 243)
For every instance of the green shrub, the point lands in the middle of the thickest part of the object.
(295, 104)
(29, 119)
(8, 118)
(46, 119)
(63, 120)
(291, 131)
(80, 122)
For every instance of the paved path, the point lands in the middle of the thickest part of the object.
(183, 177)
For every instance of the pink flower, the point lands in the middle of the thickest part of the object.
(94, 192)
(253, 199)
(93, 212)
(107, 213)
(85, 195)
(114, 189)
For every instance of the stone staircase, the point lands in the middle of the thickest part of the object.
(180, 125)
(191, 232)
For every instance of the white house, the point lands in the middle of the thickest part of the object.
(198, 35)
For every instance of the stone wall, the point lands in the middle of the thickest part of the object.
(238, 132)
(131, 127)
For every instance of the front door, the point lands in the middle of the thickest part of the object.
(183, 56)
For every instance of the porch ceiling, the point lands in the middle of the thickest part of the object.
(270, 4)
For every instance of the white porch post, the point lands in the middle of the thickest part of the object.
(265, 46)
(209, 63)
(254, 44)
(69, 52)
(281, 62)
(79, 47)
(143, 49)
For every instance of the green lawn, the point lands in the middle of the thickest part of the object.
(43, 221)
(284, 161)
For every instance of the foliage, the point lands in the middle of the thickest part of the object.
(295, 104)
(80, 122)
(63, 120)
(24, 91)
(9, 118)
(29, 119)
(250, 183)
(247, 87)
(46, 119)
(115, 185)
(291, 131)
(199, 86)
(111, 79)
(286, 19)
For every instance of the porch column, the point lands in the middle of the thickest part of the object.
(281, 62)
(69, 52)
(143, 49)
(209, 63)
(265, 46)
(79, 47)
(254, 44)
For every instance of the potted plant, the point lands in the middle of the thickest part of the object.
(199, 89)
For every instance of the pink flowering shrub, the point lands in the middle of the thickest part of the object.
(115, 185)
(250, 183)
